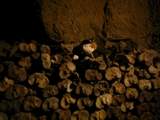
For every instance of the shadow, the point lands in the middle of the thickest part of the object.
(20, 20)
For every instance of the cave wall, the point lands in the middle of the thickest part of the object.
(75, 20)
(129, 19)
(155, 15)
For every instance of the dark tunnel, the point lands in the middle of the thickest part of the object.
(20, 19)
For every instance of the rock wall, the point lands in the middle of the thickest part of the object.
(73, 20)
(76, 20)
(155, 13)
(129, 19)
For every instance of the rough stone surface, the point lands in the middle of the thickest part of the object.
(129, 19)
(73, 20)
(155, 13)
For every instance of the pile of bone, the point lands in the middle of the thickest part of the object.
(43, 82)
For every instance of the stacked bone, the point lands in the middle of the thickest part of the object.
(41, 81)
